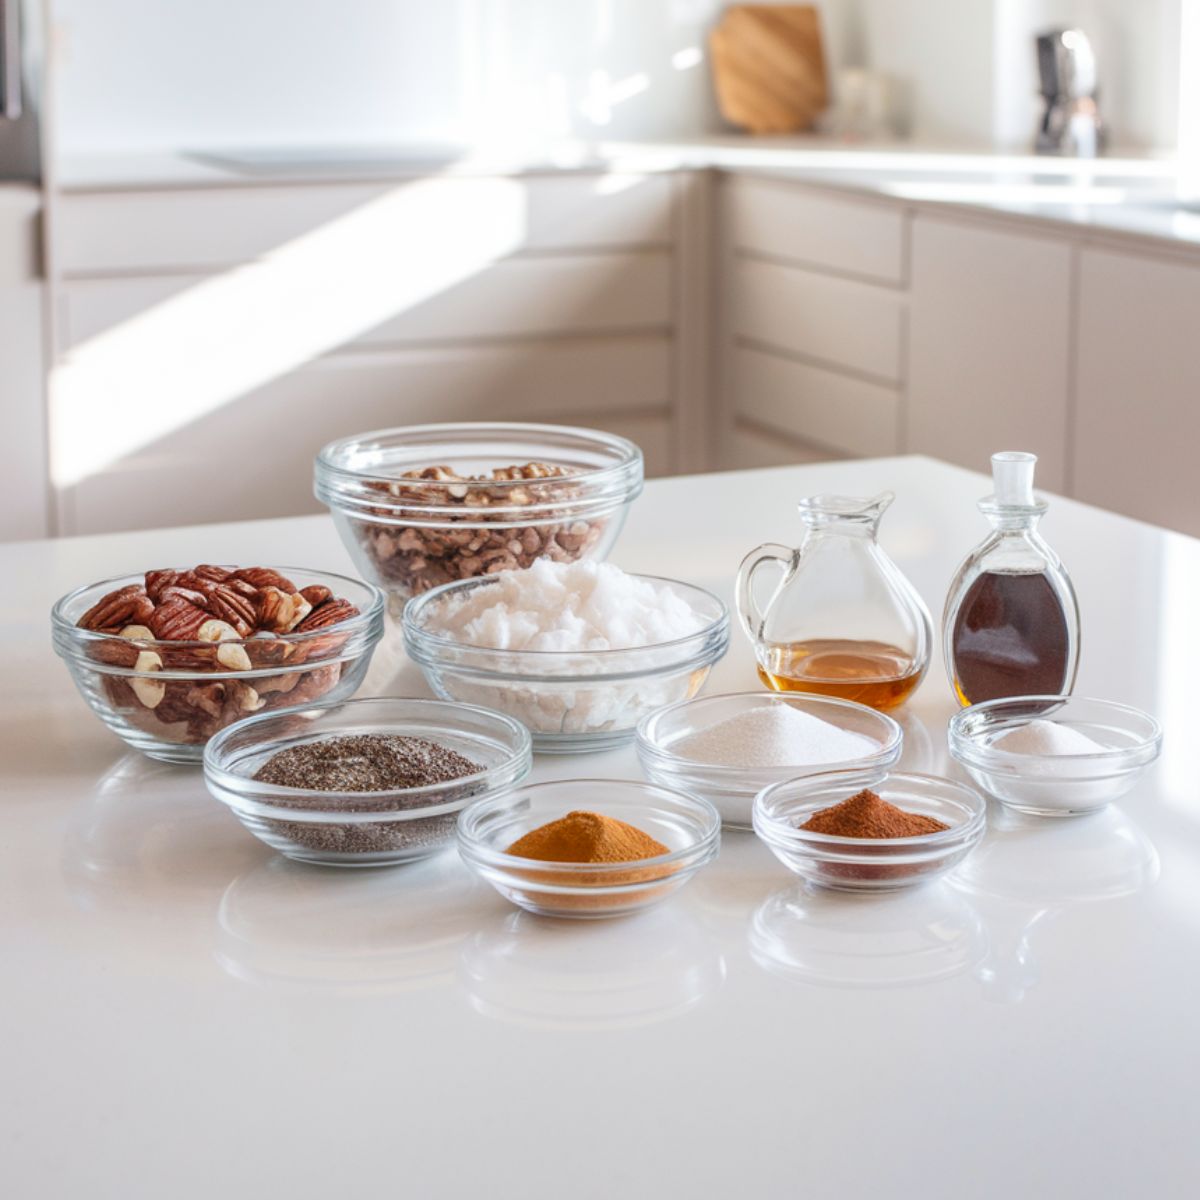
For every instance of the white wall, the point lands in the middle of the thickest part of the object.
(967, 71)
(146, 75)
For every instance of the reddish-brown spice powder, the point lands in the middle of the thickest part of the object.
(867, 815)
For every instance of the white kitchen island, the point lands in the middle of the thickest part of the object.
(186, 1014)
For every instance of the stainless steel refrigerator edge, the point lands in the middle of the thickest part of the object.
(20, 89)
(23, 451)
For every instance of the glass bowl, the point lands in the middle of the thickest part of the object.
(411, 535)
(170, 712)
(363, 829)
(688, 825)
(732, 789)
(572, 700)
(869, 864)
(1055, 785)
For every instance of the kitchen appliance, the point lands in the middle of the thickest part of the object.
(1071, 122)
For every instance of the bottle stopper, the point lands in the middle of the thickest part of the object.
(1012, 478)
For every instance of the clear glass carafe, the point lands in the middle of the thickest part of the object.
(1011, 625)
(842, 619)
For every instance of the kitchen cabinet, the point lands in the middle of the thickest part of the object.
(1136, 423)
(230, 331)
(989, 345)
(23, 447)
(813, 321)
(254, 454)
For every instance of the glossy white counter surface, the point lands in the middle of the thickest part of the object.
(187, 1015)
(1118, 195)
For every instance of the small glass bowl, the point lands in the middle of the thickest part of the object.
(363, 829)
(869, 864)
(689, 826)
(573, 701)
(411, 535)
(188, 705)
(732, 789)
(1055, 785)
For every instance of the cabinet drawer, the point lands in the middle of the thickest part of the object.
(989, 346)
(831, 320)
(749, 447)
(517, 297)
(206, 228)
(1136, 422)
(825, 231)
(260, 443)
(810, 403)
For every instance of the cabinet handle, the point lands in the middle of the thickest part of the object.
(10, 59)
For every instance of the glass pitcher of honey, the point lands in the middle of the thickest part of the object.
(841, 620)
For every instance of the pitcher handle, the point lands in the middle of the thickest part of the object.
(768, 552)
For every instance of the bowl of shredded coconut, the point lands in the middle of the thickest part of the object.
(728, 748)
(578, 652)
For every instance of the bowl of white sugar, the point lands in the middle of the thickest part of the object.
(577, 652)
(1054, 756)
(728, 748)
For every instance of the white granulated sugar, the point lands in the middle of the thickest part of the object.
(1046, 737)
(567, 607)
(774, 735)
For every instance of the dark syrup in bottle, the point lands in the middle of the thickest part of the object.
(1011, 637)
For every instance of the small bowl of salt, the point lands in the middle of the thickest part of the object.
(1054, 756)
(728, 748)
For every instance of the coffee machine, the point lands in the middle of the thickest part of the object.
(1071, 119)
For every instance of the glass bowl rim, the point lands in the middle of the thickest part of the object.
(438, 647)
(661, 757)
(704, 814)
(629, 453)
(966, 748)
(70, 640)
(773, 830)
(236, 783)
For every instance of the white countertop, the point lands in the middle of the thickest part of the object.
(1121, 194)
(188, 1015)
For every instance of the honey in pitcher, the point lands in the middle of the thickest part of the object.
(872, 673)
(1011, 637)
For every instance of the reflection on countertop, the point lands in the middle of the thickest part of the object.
(889, 940)
(580, 975)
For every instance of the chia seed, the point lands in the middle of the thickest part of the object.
(363, 764)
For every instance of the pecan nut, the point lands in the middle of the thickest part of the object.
(177, 619)
(263, 577)
(129, 605)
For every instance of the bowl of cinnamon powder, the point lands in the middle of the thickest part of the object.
(588, 847)
(869, 830)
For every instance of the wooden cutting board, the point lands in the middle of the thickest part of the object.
(769, 67)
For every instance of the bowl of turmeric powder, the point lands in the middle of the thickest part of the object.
(869, 830)
(588, 848)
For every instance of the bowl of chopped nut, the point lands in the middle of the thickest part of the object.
(168, 658)
(425, 505)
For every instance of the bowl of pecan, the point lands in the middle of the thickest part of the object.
(169, 658)
(425, 505)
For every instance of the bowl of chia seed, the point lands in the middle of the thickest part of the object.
(363, 783)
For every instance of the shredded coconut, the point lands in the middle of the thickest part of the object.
(774, 735)
(567, 607)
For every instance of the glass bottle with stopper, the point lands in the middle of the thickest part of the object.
(1011, 625)
(842, 620)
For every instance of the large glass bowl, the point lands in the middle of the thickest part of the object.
(573, 701)
(732, 788)
(409, 535)
(1055, 785)
(688, 826)
(869, 864)
(363, 829)
(169, 713)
